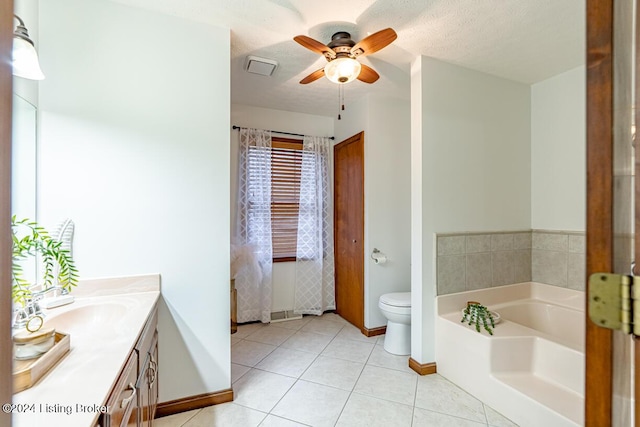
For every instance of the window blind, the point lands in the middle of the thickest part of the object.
(286, 164)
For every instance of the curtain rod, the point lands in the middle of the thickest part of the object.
(285, 133)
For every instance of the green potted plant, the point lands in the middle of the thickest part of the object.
(58, 267)
(476, 314)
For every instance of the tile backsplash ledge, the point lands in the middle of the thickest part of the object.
(470, 261)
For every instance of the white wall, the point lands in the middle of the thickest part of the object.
(474, 142)
(354, 119)
(134, 148)
(558, 153)
(262, 118)
(387, 194)
(423, 288)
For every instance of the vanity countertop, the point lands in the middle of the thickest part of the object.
(104, 323)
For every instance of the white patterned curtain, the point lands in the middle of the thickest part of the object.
(314, 287)
(254, 224)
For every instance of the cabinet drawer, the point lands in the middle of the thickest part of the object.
(123, 398)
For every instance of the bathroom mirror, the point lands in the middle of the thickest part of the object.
(24, 168)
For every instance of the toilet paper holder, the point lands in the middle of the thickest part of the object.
(378, 257)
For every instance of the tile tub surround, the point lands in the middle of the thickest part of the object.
(109, 316)
(326, 373)
(471, 261)
(531, 371)
(558, 258)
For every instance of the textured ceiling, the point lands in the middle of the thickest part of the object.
(522, 40)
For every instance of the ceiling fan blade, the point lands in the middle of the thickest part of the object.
(315, 46)
(313, 76)
(368, 74)
(374, 42)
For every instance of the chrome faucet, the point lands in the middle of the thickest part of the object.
(22, 315)
(31, 308)
(59, 290)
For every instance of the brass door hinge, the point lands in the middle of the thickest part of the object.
(613, 301)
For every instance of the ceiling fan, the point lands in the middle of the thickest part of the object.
(341, 52)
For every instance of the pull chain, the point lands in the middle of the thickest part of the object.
(339, 100)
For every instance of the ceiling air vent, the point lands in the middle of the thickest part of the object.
(262, 66)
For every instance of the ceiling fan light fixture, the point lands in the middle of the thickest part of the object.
(342, 70)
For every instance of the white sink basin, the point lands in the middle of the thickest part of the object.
(88, 317)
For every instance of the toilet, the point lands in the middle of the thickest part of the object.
(396, 307)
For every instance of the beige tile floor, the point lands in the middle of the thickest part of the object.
(321, 371)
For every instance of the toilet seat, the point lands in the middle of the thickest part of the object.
(397, 299)
(394, 309)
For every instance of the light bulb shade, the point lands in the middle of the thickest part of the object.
(25, 60)
(342, 70)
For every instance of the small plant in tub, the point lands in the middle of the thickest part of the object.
(32, 240)
(476, 314)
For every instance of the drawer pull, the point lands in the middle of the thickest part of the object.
(151, 374)
(126, 401)
(153, 370)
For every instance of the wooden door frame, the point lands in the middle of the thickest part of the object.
(6, 99)
(636, 343)
(599, 215)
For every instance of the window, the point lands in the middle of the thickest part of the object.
(286, 164)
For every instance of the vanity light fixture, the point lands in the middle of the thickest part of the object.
(25, 57)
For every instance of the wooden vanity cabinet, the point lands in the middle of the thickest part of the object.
(123, 402)
(133, 400)
(148, 385)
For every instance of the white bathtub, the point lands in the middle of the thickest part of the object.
(532, 368)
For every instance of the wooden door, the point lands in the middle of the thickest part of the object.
(610, 213)
(6, 89)
(349, 228)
